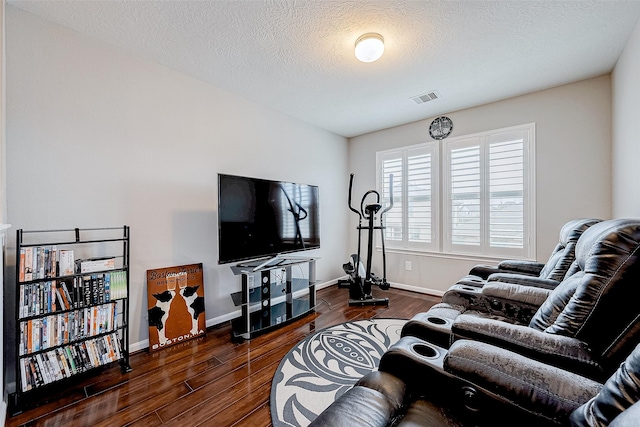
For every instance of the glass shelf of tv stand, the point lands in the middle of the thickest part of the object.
(273, 296)
(278, 292)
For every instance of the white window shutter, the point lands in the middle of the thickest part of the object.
(465, 195)
(422, 197)
(506, 193)
(419, 197)
(392, 164)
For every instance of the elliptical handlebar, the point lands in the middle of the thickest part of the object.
(361, 213)
(350, 188)
(362, 208)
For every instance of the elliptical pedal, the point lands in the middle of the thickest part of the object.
(371, 301)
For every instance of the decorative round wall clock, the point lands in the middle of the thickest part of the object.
(440, 127)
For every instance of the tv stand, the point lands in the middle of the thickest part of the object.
(273, 294)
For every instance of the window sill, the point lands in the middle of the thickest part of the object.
(448, 255)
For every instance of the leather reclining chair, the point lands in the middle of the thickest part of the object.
(604, 291)
(483, 385)
(532, 273)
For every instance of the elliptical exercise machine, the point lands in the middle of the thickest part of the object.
(361, 280)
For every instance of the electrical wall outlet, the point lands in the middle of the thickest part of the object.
(407, 265)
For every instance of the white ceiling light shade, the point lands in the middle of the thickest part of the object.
(369, 47)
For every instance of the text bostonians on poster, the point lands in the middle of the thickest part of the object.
(175, 297)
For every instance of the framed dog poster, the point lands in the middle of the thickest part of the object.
(175, 297)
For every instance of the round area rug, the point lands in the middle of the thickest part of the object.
(326, 364)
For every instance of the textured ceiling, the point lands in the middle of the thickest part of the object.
(297, 56)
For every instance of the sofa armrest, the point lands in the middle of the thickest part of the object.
(523, 279)
(537, 387)
(358, 406)
(518, 304)
(561, 351)
(407, 361)
(393, 388)
(373, 401)
(518, 293)
(532, 268)
(483, 271)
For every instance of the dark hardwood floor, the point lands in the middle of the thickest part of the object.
(207, 381)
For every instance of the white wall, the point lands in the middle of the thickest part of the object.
(573, 172)
(626, 129)
(96, 137)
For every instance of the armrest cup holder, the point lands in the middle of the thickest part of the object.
(426, 350)
(436, 320)
(414, 361)
(434, 328)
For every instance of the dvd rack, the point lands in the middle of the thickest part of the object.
(72, 306)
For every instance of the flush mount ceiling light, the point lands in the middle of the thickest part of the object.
(369, 47)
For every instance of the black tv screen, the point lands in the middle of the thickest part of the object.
(259, 218)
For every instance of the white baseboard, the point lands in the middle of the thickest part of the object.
(137, 346)
(418, 289)
(329, 283)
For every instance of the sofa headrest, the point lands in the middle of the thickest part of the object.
(572, 230)
(606, 243)
(564, 253)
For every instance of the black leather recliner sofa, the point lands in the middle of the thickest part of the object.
(500, 388)
(532, 273)
(512, 290)
(495, 370)
(507, 295)
(587, 316)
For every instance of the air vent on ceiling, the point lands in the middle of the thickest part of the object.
(426, 97)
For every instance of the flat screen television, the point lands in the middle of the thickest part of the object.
(261, 218)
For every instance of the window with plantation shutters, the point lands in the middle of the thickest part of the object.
(487, 197)
(411, 223)
(486, 182)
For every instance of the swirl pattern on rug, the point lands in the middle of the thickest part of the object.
(326, 364)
